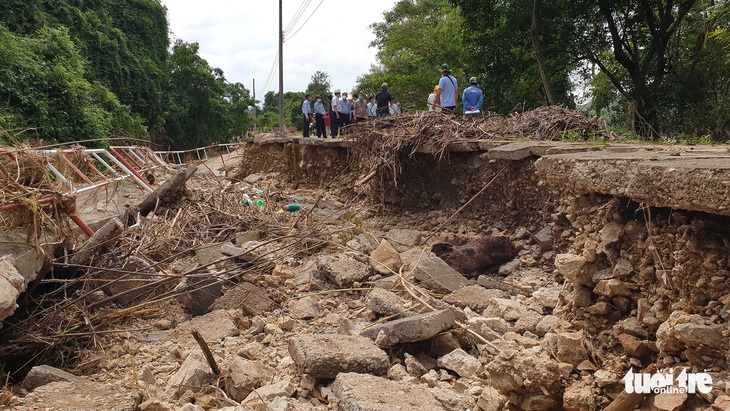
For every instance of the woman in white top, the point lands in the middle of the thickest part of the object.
(432, 100)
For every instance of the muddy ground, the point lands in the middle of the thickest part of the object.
(366, 317)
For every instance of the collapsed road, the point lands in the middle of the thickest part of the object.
(423, 272)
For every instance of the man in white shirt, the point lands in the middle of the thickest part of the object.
(335, 115)
(319, 114)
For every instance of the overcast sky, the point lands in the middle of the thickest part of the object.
(241, 38)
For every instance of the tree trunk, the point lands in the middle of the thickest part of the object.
(540, 54)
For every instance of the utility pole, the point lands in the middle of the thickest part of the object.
(281, 69)
(254, 105)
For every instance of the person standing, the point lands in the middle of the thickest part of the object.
(448, 91)
(319, 114)
(473, 98)
(372, 107)
(361, 108)
(432, 99)
(335, 114)
(345, 111)
(307, 111)
(384, 100)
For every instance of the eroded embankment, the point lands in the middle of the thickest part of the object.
(637, 235)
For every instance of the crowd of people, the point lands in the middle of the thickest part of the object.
(343, 110)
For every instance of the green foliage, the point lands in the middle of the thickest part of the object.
(320, 85)
(42, 85)
(292, 110)
(416, 37)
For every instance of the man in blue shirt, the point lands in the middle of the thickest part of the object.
(306, 110)
(448, 91)
(345, 111)
(319, 114)
(473, 98)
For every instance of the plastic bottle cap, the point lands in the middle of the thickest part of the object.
(259, 202)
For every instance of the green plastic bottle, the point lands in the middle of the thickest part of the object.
(292, 207)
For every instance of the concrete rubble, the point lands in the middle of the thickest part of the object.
(535, 301)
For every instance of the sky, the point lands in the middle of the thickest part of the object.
(241, 38)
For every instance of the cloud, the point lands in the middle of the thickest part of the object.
(241, 38)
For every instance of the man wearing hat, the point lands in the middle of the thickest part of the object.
(473, 99)
(319, 114)
(448, 91)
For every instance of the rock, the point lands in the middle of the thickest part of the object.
(667, 402)
(194, 374)
(612, 288)
(342, 271)
(604, 378)
(11, 274)
(403, 239)
(209, 253)
(548, 323)
(191, 407)
(635, 347)
(250, 298)
(544, 238)
(385, 259)
(283, 271)
(509, 310)
(453, 401)
(415, 328)
(199, 294)
(244, 376)
(460, 362)
(622, 268)
(590, 250)
(156, 405)
(326, 355)
(44, 374)
(70, 396)
(384, 302)
(632, 326)
(397, 372)
(414, 366)
(303, 309)
(244, 237)
(472, 255)
(528, 322)
(283, 388)
(387, 283)
(548, 297)
(304, 275)
(682, 330)
(214, 326)
(359, 392)
(8, 298)
(435, 274)
(509, 267)
(490, 399)
(253, 178)
(600, 308)
(570, 348)
(573, 268)
(611, 233)
(444, 343)
(540, 402)
(582, 296)
(475, 297)
(579, 397)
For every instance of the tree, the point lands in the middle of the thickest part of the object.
(320, 84)
(415, 38)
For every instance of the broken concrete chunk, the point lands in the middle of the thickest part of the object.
(304, 309)
(71, 396)
(214, 326)
(250, 298)
(474, 254)
(353, 391)
(611, 233)
(253, 178)
(438, 276)
(326, 355)
(198, 294)
(573, 268)
(635, 347)
(384, 302)
(194, 374)
(490, 399)
(415, 328)
(667, 402)
(475, 297)
(244, 376)
(342, 271)
(613, 287)
(544, 238)
(8, 298)
(505, 308)
(579, 397)
(548, 297)
(460, 362)
(452, 400)
(682, 330)
(570, 348)
(414, 367)
(45, 374)
(209, 253)
(622, 268)
(283, 388)
(385, 259)
(403, 239)
(166, 192)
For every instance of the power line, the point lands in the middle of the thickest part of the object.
(298, 15)
(270, 77)
(305, 21)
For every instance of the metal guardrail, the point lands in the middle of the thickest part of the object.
(197, 155)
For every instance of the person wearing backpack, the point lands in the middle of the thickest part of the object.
(448, 91)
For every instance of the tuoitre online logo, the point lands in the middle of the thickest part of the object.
(665, 382)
